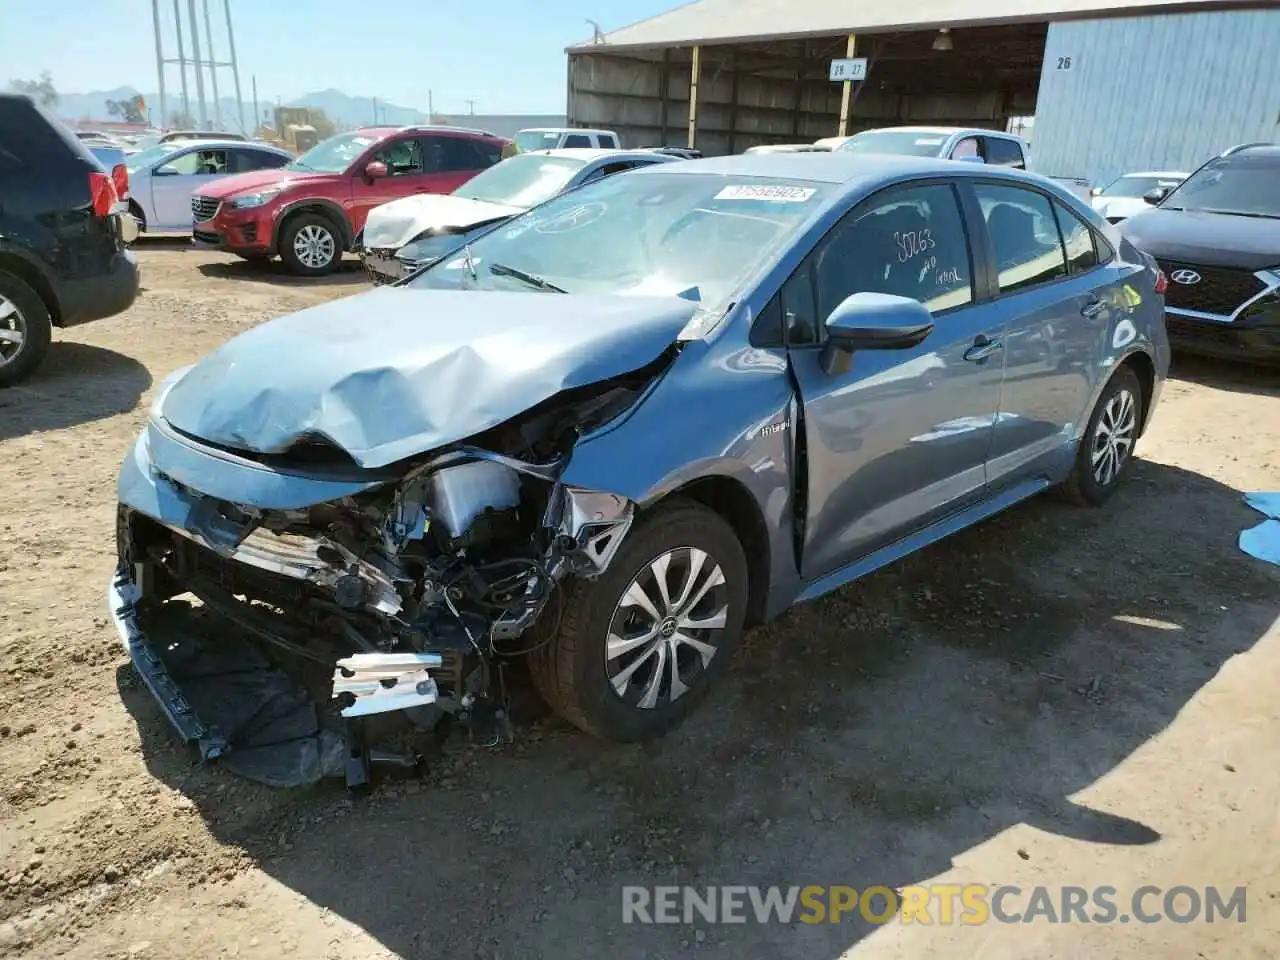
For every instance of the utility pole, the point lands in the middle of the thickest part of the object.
(257, 117)
(182, 61)
(431, 110)
(213, 67)
(195, 58)
(155, 19)
(375, 111)
(235, 71)
(471, 108)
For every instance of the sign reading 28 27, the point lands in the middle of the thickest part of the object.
(853, 69)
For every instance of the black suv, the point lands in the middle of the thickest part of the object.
(63, 236)
(1217, 238)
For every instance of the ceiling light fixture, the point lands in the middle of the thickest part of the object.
(943, 40)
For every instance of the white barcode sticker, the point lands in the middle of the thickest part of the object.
(773, 193)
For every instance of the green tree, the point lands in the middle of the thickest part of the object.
(42, 90)
(129, 110)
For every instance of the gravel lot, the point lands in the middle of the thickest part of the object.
(1060, 696)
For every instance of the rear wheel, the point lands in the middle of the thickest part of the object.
(639, 647)
(1106, 449)
(25, 330)
(310, 245)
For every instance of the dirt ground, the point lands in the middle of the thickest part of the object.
(1060, 696)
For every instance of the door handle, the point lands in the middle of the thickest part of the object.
(1093, 308)
(983, 347)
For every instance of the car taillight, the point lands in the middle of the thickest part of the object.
(1162, 282)
(103, 192)
(120, 180)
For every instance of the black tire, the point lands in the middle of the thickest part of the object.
(257, 259)
(572, 672)
(1092, 488)
(22, 309)
(302, 223)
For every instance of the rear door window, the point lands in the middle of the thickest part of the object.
(1078, 240)
(577, 140)
(609, 141)
(1024, 236)
(244, 161)
(968, 147)
(201, 163)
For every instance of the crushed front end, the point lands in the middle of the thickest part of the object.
(284, 609)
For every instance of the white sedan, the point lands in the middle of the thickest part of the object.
(163, 178)
(1124, 196)
(401, 236)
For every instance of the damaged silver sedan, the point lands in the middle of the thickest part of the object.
(600, 439)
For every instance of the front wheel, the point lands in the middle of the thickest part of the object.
(310, 245)
(1106, 449)
(639, 647)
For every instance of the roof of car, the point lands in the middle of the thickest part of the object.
(948, 131)
(852, 170)
(564, 130)
(1167, 174)
(238, 144)
(589, 154)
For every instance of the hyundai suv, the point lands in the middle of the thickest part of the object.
(313, 209)
(63, 236)
(1217, 238)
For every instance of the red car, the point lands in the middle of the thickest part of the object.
(312, 209)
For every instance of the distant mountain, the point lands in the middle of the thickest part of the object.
(344, 110)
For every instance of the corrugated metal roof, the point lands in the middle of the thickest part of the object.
(736, 21)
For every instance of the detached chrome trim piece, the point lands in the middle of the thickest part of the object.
(384, 682)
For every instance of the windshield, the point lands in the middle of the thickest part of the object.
(333, 155)
(1243, 185)
(1134, 187)
(528, 140)
(524, 180)
(658, 234)
(144, 158)
(907, 142)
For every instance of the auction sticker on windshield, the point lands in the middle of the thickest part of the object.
(774, 193)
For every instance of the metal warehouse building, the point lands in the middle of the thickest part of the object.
(1131, 84)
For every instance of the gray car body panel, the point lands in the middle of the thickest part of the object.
(906, 447)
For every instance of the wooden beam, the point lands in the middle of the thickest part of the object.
(733, 104)
(664, 89)
(693, 95)
(848, 88)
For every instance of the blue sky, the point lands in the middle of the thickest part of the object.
(507, 55)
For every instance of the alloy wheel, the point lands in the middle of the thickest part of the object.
(1113, 437)
(13, 330)
(314, 246)
(666, 629)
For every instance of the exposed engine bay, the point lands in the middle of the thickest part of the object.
(283, 640)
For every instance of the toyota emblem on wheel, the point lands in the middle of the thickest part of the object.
(1185, 277)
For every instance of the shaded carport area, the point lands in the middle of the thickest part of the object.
(725, 75)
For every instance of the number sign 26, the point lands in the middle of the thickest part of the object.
(1064, 63)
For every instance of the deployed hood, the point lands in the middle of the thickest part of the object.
(396, 372)
(1208, 239)
(392, 225)
(255, 180)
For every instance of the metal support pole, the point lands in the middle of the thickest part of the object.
(663, 92)
(182, 61)
(235, 71)
(257, 117)
(155, 19)
(847, 91)
(196, 59)
(213, 67)
(693, 95)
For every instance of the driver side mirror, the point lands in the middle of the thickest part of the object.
(375, 170)
(166, 171)
(1155, 196)
(1095, 191)
(872, 321)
